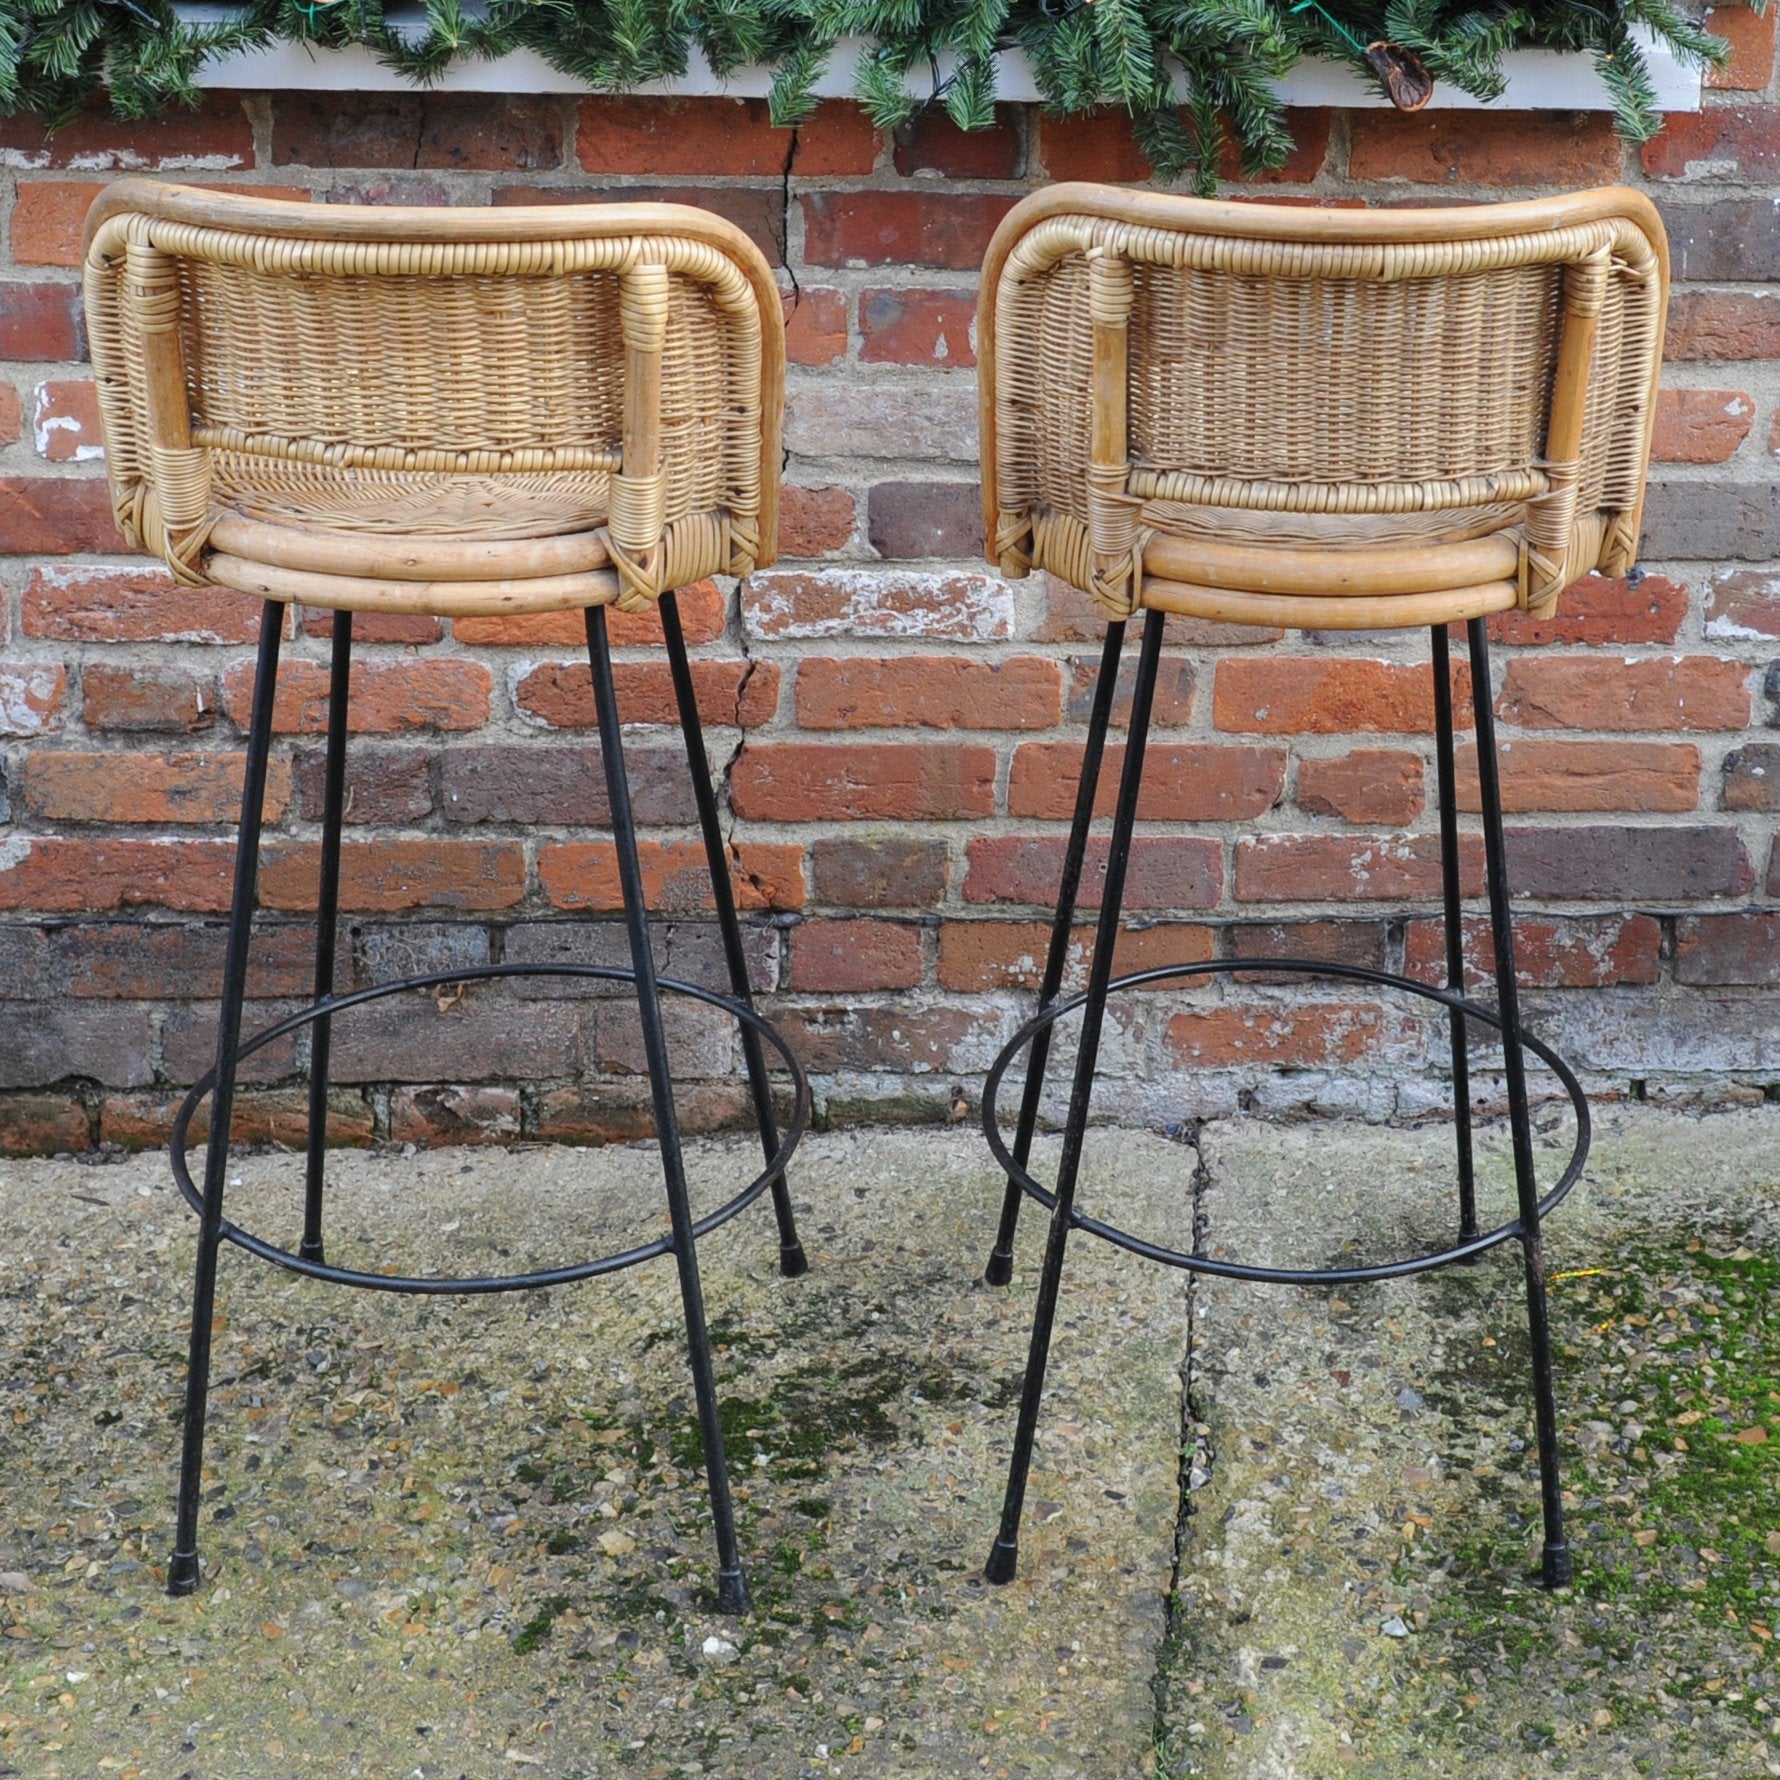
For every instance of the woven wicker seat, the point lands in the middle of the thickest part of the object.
(1309, 419)
(449, 412)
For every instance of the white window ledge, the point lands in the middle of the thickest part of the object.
(1538, 80)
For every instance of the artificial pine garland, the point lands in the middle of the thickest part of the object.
(54, 54)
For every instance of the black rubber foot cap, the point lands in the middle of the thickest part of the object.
(793, 1263)
(1557, 1569)
(182, 1573)
(312, 1251)
(999, 1271)
(1004, 1559)
(732, 1592)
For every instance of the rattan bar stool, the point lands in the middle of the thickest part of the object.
(1328, 420)
(450, 412)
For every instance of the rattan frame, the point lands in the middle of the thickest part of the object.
(1080, 501)
(687, 487)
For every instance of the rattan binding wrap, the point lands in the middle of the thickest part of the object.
(453, 411)
(1330, 419)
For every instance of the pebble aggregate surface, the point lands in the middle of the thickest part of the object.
(1271, 1534)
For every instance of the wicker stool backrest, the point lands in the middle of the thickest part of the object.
(1319, 405)
(580, 402)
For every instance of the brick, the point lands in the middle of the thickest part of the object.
(1643, 1035)
(1360, 943)
(1751, 37)
(109, 1043)
(815, 325)
(1550, 952)
(1743, 605)
(75, 785)
(1379, 787)
(1690, 692)
(863, 782)
(758, 211)
(702, 617)
(425, 194)
(1752, 779)
(389, 949)
(814, 521)
(848, 602)
(32, 697)
(977, 956)
(388, 697)
(916, 519)
(263, 1116)
(435, 1116)
(559, 694)
(502, 133)
(48, 222)
(1489, 148)
(1722, 325)
(213, 134)
(478, 1037)
(1774, 868)
(584, 875)
(40, 321)
(1172, 872)
(1700, 426)
(65, 422)
(904, 326)
(1730, 241)
(1615, 863)
(385, 787)
(1719, 142)
(1182, 781)
(145, 605)
(657, 136)
(689, 950)
(621, 1112)
(1071, 616)
(148, 960)
(389, 874)
(43, 1124)
(1317, 1036)
(1564, 775)
(879, 872)
(56, 516)
(12, 415)
(1739, 948)
(1349, 868)
(940, 1040)
(54, 875)
(854, 418)
(1100, 146)
(1282, 695)
(562, 787)
(377, 627)
(837, 138)
(1598, 610)
(932, 691)
(929, 142)
(915, 228)
(1171, 702)
(837, 957)
(147, 700)
(188, 1043)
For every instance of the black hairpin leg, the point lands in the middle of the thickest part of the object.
(1556, 1561)
(791, 1256)
(1455, 938)
(1001, 1258)
(327, 923)
(1004, 1555)
(182, 1570)
(732, 1588)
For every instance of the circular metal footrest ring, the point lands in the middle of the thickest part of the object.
(1295, 1276)
(513, 1282)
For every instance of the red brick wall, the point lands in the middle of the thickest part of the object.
(902, 727)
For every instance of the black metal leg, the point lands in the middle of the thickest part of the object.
(732, 1588)
(182, 1570)
(1001, 1258)
(1556, 1562)
(1455, 939)
(1004, 1555)
(792, 1261)
(327, 922)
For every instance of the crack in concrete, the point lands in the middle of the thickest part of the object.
(725, 785)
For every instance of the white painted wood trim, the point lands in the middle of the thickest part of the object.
(1538, 80)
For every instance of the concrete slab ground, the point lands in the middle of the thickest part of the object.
(1271, 1533)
